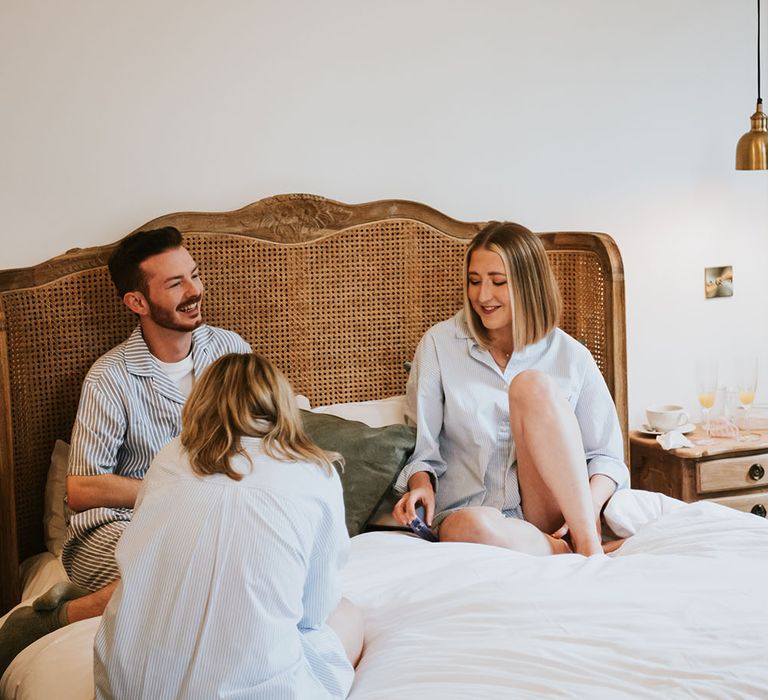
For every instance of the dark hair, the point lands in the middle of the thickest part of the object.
(133, 250)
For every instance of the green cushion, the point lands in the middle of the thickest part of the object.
(373, 459)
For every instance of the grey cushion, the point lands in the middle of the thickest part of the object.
(373, 459)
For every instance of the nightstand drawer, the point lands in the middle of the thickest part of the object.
(756, 503)
(732, 474)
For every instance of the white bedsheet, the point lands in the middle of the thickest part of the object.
(679, 611)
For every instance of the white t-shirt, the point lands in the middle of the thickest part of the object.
(181, 372)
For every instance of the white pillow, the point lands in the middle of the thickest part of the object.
(54, 515)
(38, 573)
(376, 414)
(630, 509)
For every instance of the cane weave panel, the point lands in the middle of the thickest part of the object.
(341, 314)
(582, 281)
(55, 332)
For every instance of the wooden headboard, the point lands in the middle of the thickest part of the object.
(337, 295)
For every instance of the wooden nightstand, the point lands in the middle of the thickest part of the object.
(732, 473)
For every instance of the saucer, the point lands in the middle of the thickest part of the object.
(685, 428)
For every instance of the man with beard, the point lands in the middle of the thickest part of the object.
(130, 407)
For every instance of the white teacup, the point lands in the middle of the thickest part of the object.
(667, 417)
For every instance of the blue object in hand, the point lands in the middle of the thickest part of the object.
(421, 529)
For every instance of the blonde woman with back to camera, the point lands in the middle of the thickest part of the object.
(230, 569)
(518, 441)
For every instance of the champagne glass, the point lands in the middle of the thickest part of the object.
(706, 390)
(746, 380)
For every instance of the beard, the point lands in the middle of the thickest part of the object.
(167, 318)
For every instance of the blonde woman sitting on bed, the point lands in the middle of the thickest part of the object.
(230, 569)
(518, 441)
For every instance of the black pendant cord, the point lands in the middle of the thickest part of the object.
(759, 96)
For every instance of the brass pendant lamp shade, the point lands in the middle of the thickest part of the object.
(752, 148)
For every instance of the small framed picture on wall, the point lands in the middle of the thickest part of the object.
(718, 282)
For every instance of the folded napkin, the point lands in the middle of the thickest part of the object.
(673, 439)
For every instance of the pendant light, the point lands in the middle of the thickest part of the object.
(752, 148)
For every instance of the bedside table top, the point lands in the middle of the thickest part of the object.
(720, 446)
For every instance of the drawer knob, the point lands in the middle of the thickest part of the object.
(756, 472)
(759, 509)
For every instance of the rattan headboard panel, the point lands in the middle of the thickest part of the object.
(339, 308)
(581, 277)
(341, 314)
(54, 334)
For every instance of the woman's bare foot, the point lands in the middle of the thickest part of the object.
(559, 546)
(613, 545)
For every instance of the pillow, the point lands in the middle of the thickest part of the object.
(373, 459)
(374, 413)
(54, 514)
(629, 509)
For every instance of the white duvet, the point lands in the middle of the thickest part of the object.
(679, 611)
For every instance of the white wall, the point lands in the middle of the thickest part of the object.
(593, 115)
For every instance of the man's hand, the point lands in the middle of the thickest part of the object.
(420, 492)
(103, 491)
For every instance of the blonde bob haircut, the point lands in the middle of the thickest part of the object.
(534, 297)
(245, 395)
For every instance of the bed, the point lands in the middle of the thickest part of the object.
(338, 296)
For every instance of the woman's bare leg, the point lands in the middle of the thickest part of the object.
(486, 525)
(347, 622)
(551, 469)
